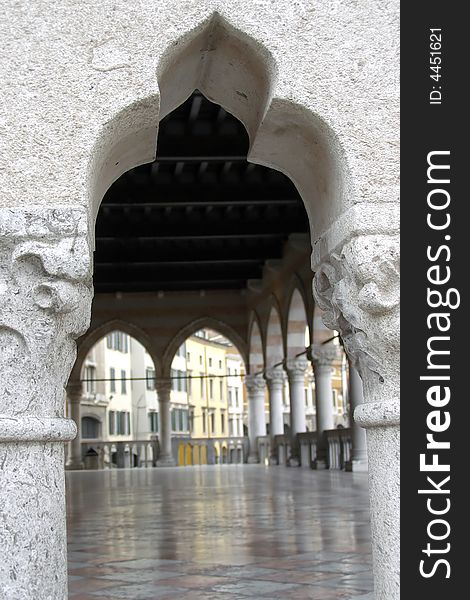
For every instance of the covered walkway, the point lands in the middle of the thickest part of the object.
(218, 533)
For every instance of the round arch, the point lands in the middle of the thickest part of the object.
(191, 328)
(92, 337)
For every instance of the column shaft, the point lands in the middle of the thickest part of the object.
(45, 300)
(166, 458)
(74, 395)
(275, 379)
(357, 288)
(322, 358)
(256, 387)
(296, 373)
(359, 439)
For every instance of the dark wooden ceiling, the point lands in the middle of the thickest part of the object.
(200, 216)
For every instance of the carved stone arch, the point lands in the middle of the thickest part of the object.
(191, 328)
(275, 339)
(256, 345)
(92, 337)
(238, 72)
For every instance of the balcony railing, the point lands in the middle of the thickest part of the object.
(339, 447)
(336, 444)
(144, 453)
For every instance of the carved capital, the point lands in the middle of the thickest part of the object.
(358, 291)
(163, 387)
(45, 301)
(296, 368)
(275, 377)
(323, 355)
(255, 384)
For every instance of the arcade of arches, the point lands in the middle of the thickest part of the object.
(183, 167)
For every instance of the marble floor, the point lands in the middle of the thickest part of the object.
(228, 532)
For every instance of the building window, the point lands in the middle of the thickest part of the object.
(179, 419)
(191, 421)
(112, 377)
(221, 389)
(184, 382)
(123, 423)
(190, 384)
(153, 422)
(335, 398)
(211, 389)
(123, 382)
(230, 396)
(236, 397)
(222, 421)
(188, 356)
(230, 427)
(220, 364)
(112, 422)
(210, 362)
(204, 420)
(202, 386)
(212, 415)
(200, 359)
(90, 377)
(90, 428)
(119, 341)
(150, 378)
(119, 422)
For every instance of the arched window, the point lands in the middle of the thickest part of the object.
(90, 428)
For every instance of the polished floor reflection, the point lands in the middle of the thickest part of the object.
(223, 533)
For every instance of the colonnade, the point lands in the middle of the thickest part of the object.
(322, 358)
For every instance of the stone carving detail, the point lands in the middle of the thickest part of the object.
(163, 389)
(358, 290)
(296, 368)
(275, 376)
(323, 355)
(255, 384)
(45, 300)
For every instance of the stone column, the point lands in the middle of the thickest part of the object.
(275, 379)
(166, 458)
(322, 359)
(256, 388)
(296, 369)
(357, 287)
(74, 395)
(359, 442)
(45, 301)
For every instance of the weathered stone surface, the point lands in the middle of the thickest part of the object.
(358, 290)
(83, 88)
(45, 299)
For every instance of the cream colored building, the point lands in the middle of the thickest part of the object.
(208, 397)
(120, 402)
